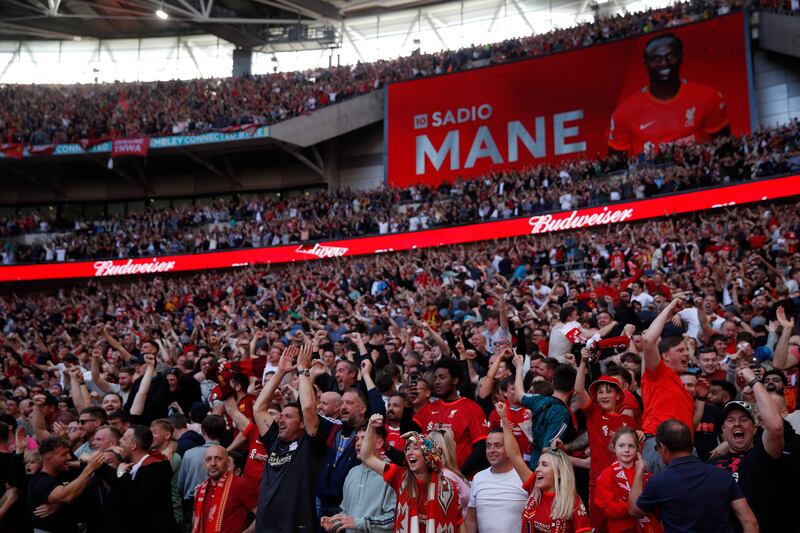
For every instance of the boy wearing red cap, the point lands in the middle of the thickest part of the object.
(599, 405)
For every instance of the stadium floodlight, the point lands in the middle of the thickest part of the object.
(160, 13)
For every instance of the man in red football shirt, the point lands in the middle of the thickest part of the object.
(461, 415)
(669, 109)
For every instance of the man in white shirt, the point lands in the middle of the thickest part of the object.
(638, 295)
(496, 499)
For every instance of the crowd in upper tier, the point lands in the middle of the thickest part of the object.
(640, 377)
(45, 114)
(260, 220)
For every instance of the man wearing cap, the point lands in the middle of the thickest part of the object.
(599, 405)
(753, 461)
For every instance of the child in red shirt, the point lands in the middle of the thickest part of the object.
(613, 488)
(599, 405)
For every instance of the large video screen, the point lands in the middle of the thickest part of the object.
(685, 84)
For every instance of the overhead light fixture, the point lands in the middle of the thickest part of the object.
(163, 15)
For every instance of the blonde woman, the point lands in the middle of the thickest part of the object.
(444, 438)
(553, 504)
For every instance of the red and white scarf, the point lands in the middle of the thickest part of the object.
(644, 524)
(439, 508)
(212, 523)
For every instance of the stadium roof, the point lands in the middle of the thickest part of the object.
(245, 23)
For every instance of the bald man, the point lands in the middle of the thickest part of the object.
(223, 501)
(330, 404)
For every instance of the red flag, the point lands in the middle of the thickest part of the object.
(91, 142)
(41, 149)
(138, 146)
(248, 367)
(12, 150)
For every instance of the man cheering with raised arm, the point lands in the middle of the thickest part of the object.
(663, 392)
(294, 451)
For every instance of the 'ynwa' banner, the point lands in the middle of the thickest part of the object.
(137, 147)
(685, 84)
(756, 191)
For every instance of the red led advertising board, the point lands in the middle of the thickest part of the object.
(755, 191)
(574, 104)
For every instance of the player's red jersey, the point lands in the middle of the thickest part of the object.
(463, 416)
(691, 116)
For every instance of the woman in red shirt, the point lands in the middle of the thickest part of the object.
(427, 501)
(613, 488)
(553, 503)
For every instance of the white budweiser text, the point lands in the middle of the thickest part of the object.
(323, 252)
(110, 268)
(548, 223)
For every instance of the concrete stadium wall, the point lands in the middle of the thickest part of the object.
(777, 85)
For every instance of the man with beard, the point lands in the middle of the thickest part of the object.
(395, 409)
(143, 483)
(754, 459)
(775, 381)
(340, 437)
(46, 488)
(222, 502)
(368, 503)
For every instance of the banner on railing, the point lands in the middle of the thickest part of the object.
(755, 191)
(126, 147)
(101, 145)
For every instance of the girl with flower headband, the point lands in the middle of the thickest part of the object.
(553, 505)
(427, 501)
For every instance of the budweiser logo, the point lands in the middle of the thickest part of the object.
(548, 223)
(111, 268)
(323, 252)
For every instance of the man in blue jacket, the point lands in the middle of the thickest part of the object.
(340, 436)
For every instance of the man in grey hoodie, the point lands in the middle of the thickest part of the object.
(369, 502)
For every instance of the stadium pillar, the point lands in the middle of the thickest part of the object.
(332, 164)
(242, 62)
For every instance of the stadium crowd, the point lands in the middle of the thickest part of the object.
(270, 221)
(52, 114)
(640, 377)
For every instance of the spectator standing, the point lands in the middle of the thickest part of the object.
(461, 415)
(192, 470)
(496, 497)
(222, 502)
(688, 495)
(294, 451)
(143, 484)
(50, 499)
(753, 460)
(613, 488)
(599, 405)
(426, 499)
(369, 503)
(552, 498)
(551, 417)
(663, 392)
